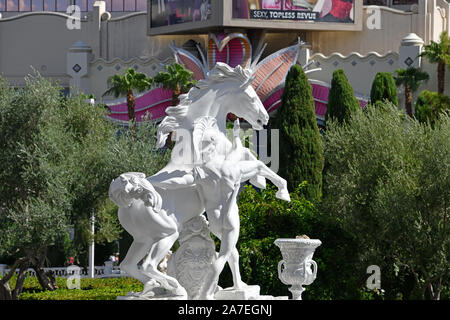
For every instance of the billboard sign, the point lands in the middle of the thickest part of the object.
(173, 12)
(336, 11)
(202, 16)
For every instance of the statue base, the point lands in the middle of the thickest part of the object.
(136, 296)
(247, 293)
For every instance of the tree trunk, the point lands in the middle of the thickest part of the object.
(175, 96)
(5, 290)
(131, 103)
(441, 77)
(435, 292)
(175, 101)
(408, 100)
(46, 279)
(20, 280)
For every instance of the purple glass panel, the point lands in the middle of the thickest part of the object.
(61, 5)
(12, 5)
(129, 5)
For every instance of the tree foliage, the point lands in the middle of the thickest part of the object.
(125, 85)
(429, 106)
(439, 52)
(411, 78)
(301, 149)
(341, 99)
(59, 156)
(384, 88)
(390, 190)
(176, 78)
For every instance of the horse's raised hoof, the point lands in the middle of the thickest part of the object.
(283, 195)
(259, 182)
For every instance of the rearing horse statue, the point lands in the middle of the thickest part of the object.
(152, 210)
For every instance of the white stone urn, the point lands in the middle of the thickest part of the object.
(297, 268)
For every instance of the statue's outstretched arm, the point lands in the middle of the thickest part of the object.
(176, 182)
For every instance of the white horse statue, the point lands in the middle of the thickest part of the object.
(218, 178)
(153, 211)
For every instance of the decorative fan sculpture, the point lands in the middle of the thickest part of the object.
(233, 49)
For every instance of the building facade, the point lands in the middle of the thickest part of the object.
(82, 46)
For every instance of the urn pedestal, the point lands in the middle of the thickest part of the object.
(297, 268)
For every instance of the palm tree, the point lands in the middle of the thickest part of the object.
(179, 80)
(439, 52)
(176, 78)
(123, 85)
(411, 78)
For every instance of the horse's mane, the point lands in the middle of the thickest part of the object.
(176, 114)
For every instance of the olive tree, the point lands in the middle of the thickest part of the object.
(388, 182)
(58, 158)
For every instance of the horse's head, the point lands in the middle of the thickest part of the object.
(246, 104)
(238, 95)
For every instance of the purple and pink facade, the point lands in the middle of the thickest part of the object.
(233, 49)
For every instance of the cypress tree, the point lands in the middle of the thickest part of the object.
(384, 87)
(341, 100)
(301, 149)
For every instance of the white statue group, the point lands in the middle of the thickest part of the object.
(204, 174)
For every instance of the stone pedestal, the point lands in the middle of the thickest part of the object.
(249, 293)
(191, 262)
(78, 59)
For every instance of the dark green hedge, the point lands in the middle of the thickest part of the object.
(265, 218)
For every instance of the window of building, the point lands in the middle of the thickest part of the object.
(61, 5)
(49, 5)
(24, 5)
(394, 2)
(375, 2)
(37, 5)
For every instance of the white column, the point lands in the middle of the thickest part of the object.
(78, 58)
(91, 248)
(410, 48)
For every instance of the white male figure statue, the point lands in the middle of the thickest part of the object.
(154, 209)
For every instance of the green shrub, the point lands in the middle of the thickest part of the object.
(90, 289)
(341, 99)
(429, 105)
(388, 185)
(265, 218)
(384, 88)
(301, 150)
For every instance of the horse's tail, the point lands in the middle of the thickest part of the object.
(173, 120)
(164, 129)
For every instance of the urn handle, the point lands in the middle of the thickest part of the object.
(313, 263)
(280, 276)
